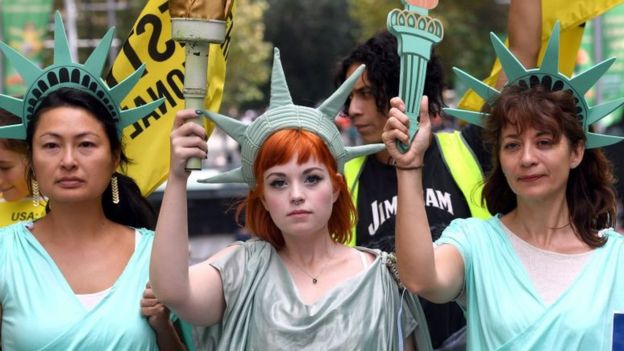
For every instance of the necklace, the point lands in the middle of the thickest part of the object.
(314, 278)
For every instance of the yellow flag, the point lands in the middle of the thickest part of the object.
(150, 43)
(22, 210)
(570, 14)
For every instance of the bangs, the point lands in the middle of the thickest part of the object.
(284, 144)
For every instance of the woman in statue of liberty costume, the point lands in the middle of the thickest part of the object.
(546, 272)
(76, 278)
(296, 286)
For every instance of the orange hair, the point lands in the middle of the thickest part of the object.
(278, 149)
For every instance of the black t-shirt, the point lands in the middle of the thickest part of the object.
(444, 201)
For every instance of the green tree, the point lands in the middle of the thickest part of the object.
(311, 36)
(248, 65)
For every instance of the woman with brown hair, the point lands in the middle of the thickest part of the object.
(544, 273)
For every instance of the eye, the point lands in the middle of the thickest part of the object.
(86, 144)
(50, 145)
(545, 143)
(277, 183)
(510, 146)
(313, 179)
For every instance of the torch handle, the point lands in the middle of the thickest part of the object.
(411, 87)
(195, 86)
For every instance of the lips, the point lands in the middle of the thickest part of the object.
(530, 178)
(69, 182)
(298, 213)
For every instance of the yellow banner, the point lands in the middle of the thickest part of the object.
(150, 43)
(23, 210)
(570, 14)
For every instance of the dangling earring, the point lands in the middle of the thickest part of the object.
(115, 190)
(36, 196)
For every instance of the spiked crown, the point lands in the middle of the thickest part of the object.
(284, 114)
(547, 75)
(65, 73)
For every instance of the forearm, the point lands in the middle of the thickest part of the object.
(168, 338)
(414, 245)
(169, 272)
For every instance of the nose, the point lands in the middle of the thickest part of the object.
(355, 107)
(69, 160)
(296, 194)
(527, 158)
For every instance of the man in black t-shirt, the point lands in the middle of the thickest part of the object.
(372, 180)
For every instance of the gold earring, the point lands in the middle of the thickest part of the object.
(115, 190)
(36, 195)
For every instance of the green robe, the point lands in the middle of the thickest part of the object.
(264, 312)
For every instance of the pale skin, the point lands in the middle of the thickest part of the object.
(73, 163)
(536, 168)
(297, 197)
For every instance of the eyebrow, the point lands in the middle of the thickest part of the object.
(79, 135)
(281, 174)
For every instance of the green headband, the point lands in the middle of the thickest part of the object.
(547, 75)
(283, 114)
(65, 73)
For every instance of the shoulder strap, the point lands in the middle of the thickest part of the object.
(465, 170)
(352, 171)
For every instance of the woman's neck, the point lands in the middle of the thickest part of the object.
(546, 225)
(67, 221)
(309, 251)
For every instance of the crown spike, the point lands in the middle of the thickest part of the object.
(232, 176)
(598, 112)
(472, 117)
(280, 95)
(361, 150)
(231, 126)
(585, 80)
(121, 90)
(483, 90)
(62, 54)
(128, 117)
(550, 62)
(13, 105)
(332, 105)
(96, 61)
(512, 67)
(26, 69)
(601, 140)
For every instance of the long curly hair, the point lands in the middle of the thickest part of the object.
(590, 193)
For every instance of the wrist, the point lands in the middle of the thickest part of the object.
(410, 168)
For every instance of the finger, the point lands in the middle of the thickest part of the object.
(423, 117)
(183, 116)
(148, 302)
(394, 123)
(398, 103)
(188, 129)
(153, 311)
(148, 294)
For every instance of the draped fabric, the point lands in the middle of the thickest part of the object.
(41, 312)
(505, 312)
(264, 311)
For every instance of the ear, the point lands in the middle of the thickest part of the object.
(576, 156)
(116, 159)
(264, 203)
(337, 189)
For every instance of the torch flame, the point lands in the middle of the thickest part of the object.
(201, 9)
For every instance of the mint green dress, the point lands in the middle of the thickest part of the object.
(264, 312)
(41, 312)
(503, 309)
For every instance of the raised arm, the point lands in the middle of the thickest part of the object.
(524, 25)
(196, 294)
(436, 274)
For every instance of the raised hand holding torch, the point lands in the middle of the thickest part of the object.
(197, 24)
(416, 33)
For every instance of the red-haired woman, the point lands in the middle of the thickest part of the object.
(297, 286)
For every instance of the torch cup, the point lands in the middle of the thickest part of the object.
(416, 33)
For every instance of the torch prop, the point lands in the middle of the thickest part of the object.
(416, 33)
(197, 24)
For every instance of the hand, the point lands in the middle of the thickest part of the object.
(397, 128)
(187, 140)
(156, 313)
